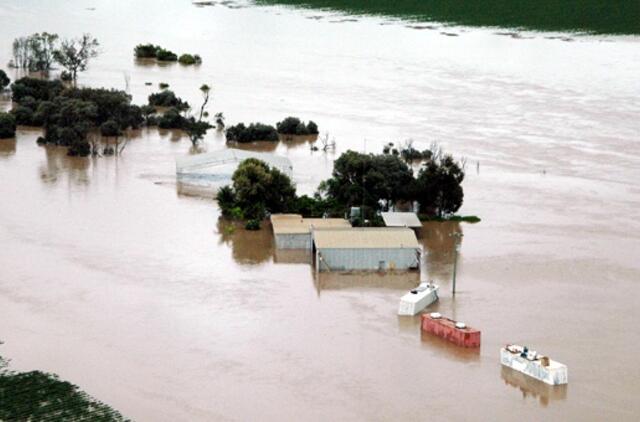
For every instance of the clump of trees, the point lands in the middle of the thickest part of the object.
(253, 132)
(69, 115)
(294, 126)
(38, 52)
(374, 183)
(7, 125)
(151, 51)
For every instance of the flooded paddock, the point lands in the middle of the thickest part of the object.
(122, 281)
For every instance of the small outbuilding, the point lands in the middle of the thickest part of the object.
(366, 249)
(292, 231)
(401, 219)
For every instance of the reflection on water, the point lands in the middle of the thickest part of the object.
(439, 243)
(247, 246)
(442, 347)
(293, 256)
(58, 163)
(532, 388)
(7, 147)
(389, 280)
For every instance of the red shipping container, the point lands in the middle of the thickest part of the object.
(446, 328)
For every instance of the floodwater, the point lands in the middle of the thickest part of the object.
(115, 280)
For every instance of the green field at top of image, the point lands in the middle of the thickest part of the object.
(593, 16)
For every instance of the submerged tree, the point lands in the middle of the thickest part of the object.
(35, 52)
(438, 185)
(74, 54)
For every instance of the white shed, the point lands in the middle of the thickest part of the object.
(367, 248)
(401, 219)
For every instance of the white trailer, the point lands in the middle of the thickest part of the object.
(534, 365)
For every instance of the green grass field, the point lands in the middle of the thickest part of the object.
(593, 16)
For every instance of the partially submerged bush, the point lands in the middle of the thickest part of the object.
(189, 59)
(4, 80)
(146, 51)
(39, 89)
(166, 55)
(294, 126)
(7, 125)
(171, 119)
(254, 132)
(24, 115)
(252, 224)
(167, 98)
(163, 85)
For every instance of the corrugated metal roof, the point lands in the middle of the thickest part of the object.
(295, 224)
(401, 219)
(365, 238)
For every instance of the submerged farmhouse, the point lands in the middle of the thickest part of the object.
(367, 248)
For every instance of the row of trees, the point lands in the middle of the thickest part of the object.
(262, 132)
(151, 51)
(372, 182)
(38, 53)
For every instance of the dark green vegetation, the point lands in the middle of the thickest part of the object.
(38, 396)
(4, 80)
(69, 115)
(151, 51)
(167, 98)
(462, 218)
(374, 183)
(188, 59)
(253, 132)
(7, 125)
(597, 16)
(257, 189)
(38, 52)
(293, 126)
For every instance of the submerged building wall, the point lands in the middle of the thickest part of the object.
(367, 259)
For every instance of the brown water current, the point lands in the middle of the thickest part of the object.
(122, 281)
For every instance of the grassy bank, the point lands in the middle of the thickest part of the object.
(595, 16)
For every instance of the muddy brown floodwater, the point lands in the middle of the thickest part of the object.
(120, 281)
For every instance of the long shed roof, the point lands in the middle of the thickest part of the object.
(296, 224)
(365, 238)
(401, 219)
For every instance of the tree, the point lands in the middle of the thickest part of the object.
(4, 80)
(373, 181)
(35, 52)
(195, 129)
(111, 129)
(74, 54)
(7, 125)
(257, 189)
(438, 186)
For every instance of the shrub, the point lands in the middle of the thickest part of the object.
(40, 90)
(166, 55)
(80, 148)
(163, 85)
(171, 119)
(110, 128)
(189, 59)
(254, 132)
(4, 80)
(7, 125)
(253, 224)
(23, 115)
(294, 126)
(146, 51)
(167, 98)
